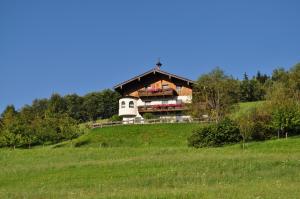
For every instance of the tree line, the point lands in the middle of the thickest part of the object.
(217, 95)
(48, 121)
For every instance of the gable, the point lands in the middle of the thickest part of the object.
(151, 78)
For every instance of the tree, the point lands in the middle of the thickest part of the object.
(8, 114)
(246, 126)
(295, 77)
(284, 103)
(12, 129)
(245, 89)
(101, 104)
(280, 75)
(39, 107)
(75, 107)
(254, 124)
(110, 103)
(261, 78)
(251, 90)
(92, 105)
(214, 94)
(57, 104)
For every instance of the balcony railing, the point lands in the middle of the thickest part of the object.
(162, 108)
(156, 92)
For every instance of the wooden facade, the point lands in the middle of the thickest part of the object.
(165, 85)
(156, 92)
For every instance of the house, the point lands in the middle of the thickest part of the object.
(157, 92)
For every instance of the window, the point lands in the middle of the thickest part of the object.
(179, 101)
(164, 101)
(165, 86)
(147, 103)
(122, 104)
(178, 88)
(131, 104)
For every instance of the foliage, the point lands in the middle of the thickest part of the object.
(116, 118)
(284, 103)
(219, 134)
(280, 75)
(280, 113)
(255, 124)
(54, 120)
(149, 116)
(99, 105)
(214, 94)
(20, 131)
(252, 90)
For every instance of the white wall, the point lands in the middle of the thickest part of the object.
(126, 111)
(130, 113)
(173, 100)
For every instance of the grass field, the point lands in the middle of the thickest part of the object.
(245, 107)
(149, 135)
(150, 167)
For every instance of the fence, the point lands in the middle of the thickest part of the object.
(148, 121)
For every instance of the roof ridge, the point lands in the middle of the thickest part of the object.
(150, 71)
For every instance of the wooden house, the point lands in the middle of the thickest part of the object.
(158, 92)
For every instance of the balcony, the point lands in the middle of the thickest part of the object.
(156, 92)
(162, 108)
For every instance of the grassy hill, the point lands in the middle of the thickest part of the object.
(159, 135)
(245, 107)
(264, 170)
(151, 161)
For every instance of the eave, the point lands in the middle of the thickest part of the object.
(154, 71)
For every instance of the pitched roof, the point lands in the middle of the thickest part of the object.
(154, 70)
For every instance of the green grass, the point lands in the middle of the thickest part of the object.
(245, 107)
(158, 166)
(150, 135)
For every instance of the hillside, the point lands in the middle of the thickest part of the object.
(264, 170)
(151, 161)
(245, 107)
(159, 135)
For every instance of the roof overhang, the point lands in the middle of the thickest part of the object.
(154, 71)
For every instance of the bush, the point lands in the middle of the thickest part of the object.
(149, 116)
(256, 124)
(116, 118)
(219, 134)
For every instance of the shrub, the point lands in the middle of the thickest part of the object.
(286, 119)
(255, 124)
(149, 116)
(116, 118)
(218, 134)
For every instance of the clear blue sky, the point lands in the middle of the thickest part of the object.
(82, 46)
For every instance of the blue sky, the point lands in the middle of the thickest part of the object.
(82, 46)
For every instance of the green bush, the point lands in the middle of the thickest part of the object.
(256, 124)
(218, 134)
(116, 118)
(149, 116)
